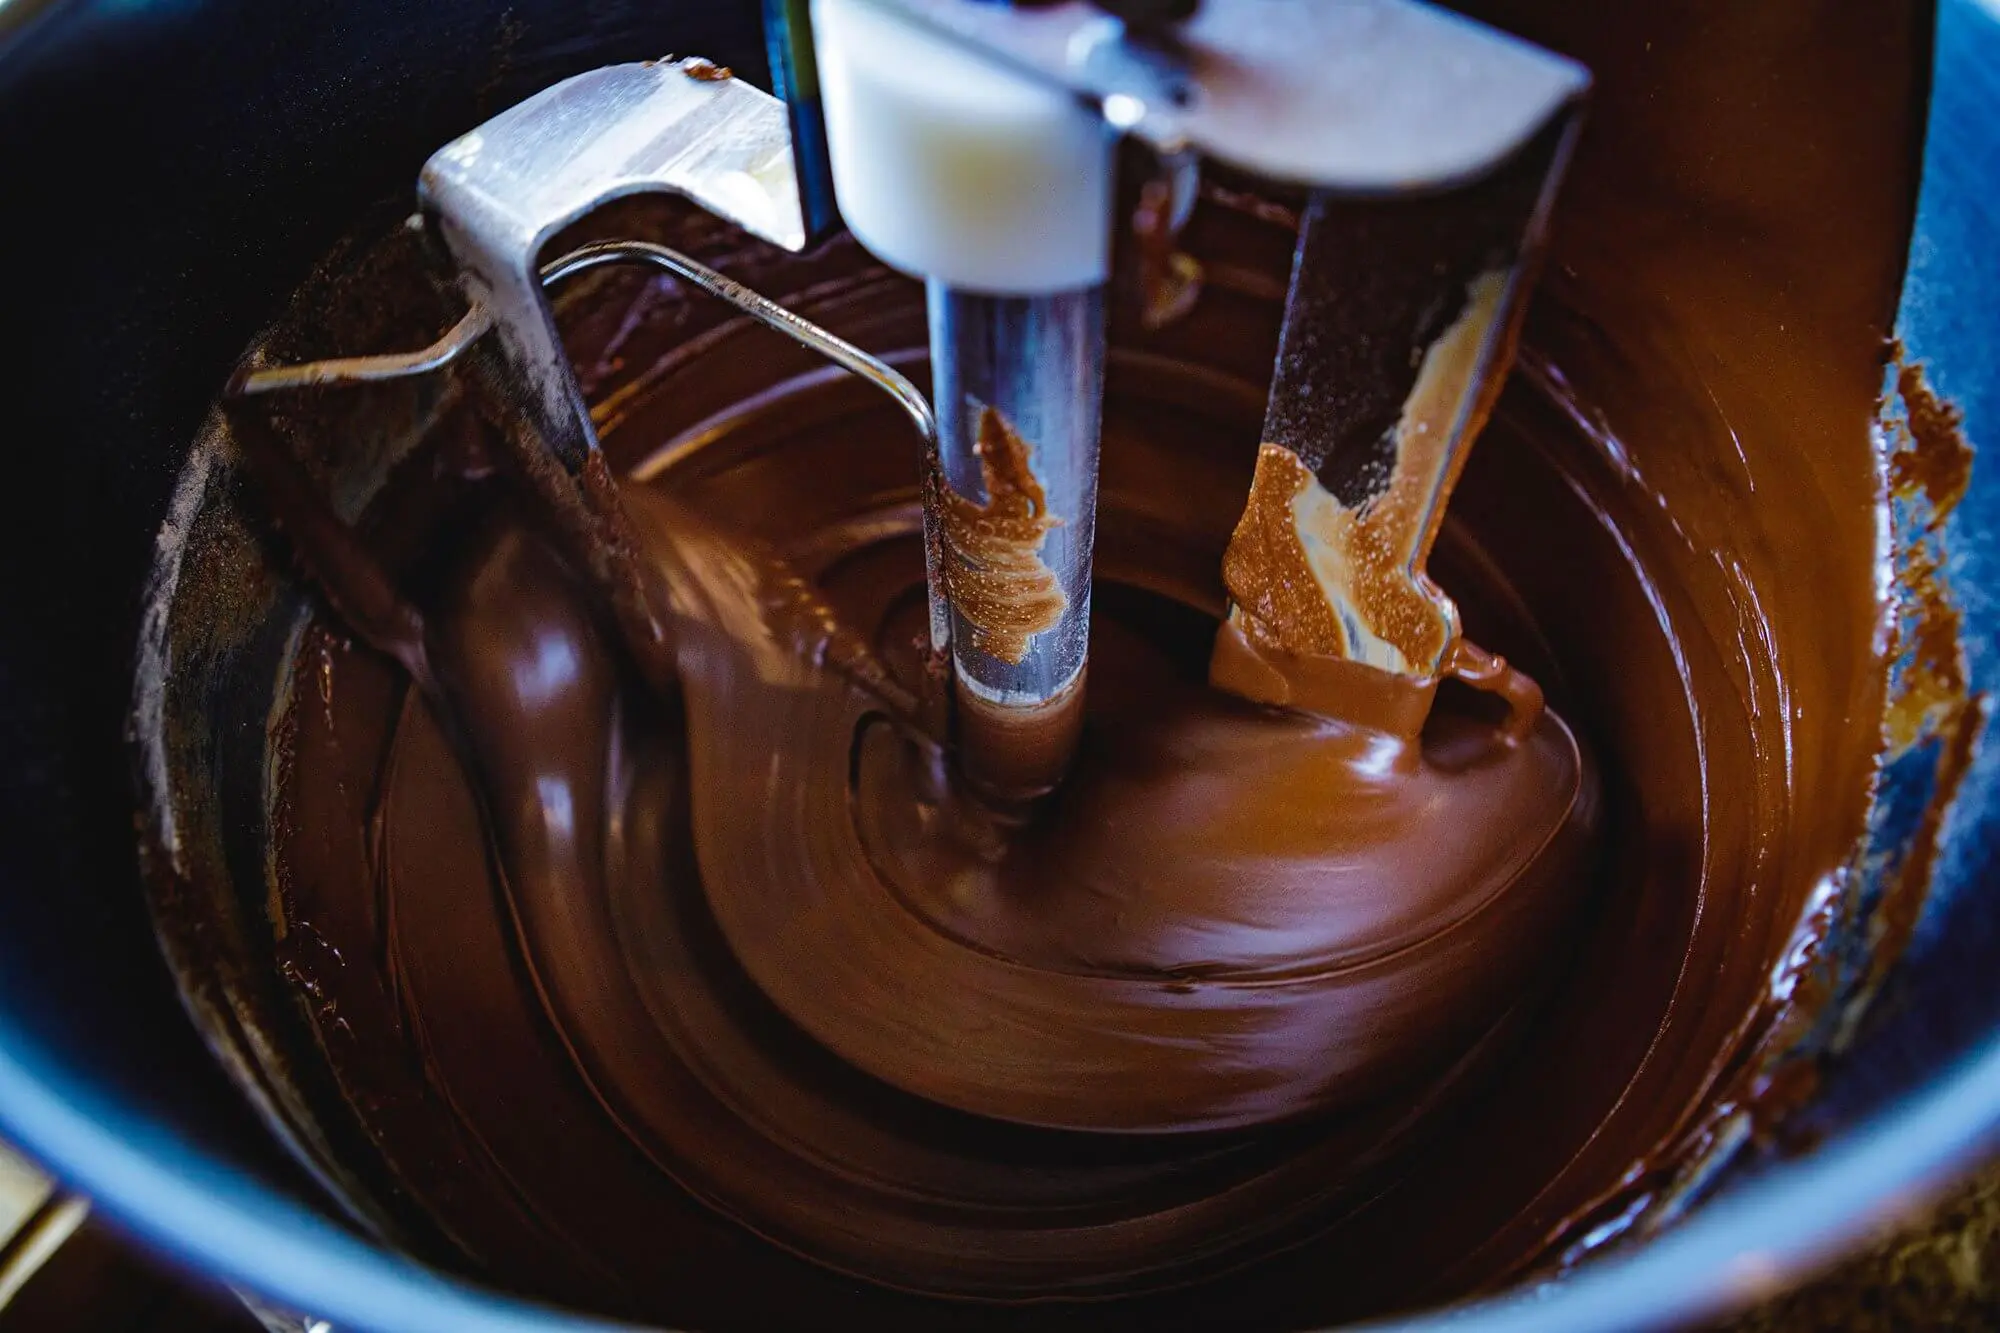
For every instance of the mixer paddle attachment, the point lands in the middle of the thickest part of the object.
(1399, 329)
(972, 146)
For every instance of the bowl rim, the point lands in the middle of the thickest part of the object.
(1752, 1242)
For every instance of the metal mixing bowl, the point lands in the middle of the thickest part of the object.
(169, 169)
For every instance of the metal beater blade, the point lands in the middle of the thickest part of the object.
(498, 194)
(1399, 330)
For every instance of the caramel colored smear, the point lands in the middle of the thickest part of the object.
(1938, 461)
(1930, 465)
(1313, 577)
(1278, 599)
(993, 569)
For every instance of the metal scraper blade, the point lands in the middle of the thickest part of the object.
(1399, 330)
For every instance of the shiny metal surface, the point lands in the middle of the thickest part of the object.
(498, 194)
(1039, 362)
(800, 330)
(476, 323)
(366, 369)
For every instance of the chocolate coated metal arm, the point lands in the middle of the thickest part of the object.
(347, 371)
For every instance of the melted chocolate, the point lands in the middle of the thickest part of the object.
(524, 891)
(1225, 917)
